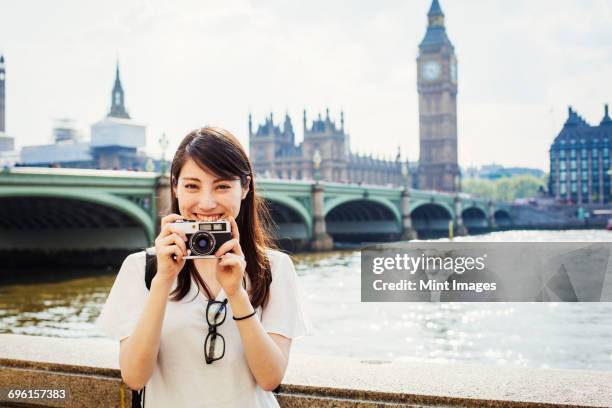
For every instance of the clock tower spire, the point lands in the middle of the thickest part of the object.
(117, 99)
(437, 88)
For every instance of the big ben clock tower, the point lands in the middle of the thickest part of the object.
(437, 86)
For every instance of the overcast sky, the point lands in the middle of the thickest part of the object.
(185, 64)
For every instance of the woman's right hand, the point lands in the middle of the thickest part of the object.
(171, 248)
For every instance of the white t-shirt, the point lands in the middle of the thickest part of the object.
(181, 377)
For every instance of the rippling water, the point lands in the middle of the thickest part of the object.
(555, 335)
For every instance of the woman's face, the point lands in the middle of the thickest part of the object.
(202, 196)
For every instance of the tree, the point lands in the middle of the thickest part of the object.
(478, 188)
(526, 186)
(506, 188)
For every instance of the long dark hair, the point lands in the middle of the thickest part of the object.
(218, 151)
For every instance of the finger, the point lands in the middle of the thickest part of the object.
(170, 229)
(178, 254)
(169, 251)
(235, 232)
(169, 240)
(227, 261)
(179, 242)
(232, 260)
(170, 218)
(173, 252)
(177, 230)
(164, 232)
(226, 247)
(173, 240)
(230, 255)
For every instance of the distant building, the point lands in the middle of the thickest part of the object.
(116, 141)
(275, 153)
(7, 143)
(2, 95)
(65, 131)
(496, 171)
(8, 155)
(580, 161)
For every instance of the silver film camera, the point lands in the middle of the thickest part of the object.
(204, 237)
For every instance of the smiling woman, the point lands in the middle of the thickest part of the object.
(185, 349)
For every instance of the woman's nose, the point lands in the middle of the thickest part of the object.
(207, 202)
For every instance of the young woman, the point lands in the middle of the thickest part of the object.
(208, 332)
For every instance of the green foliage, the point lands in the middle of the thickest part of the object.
(478, 188)
(506, 188)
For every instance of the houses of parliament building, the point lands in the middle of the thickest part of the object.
(275, 153)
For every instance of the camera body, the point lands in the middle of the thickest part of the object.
(204, 237)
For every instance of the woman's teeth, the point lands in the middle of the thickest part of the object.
(208, 217)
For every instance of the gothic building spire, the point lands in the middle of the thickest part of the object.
(435, 10)
(606, 119)
(118, 99)
(287, 126)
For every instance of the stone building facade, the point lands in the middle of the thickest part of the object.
(580, 161)
(275, 154)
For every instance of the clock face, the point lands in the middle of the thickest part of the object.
(1, 76)
(453, 71)
(431, 70)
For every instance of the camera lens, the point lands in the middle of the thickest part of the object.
(201, 243)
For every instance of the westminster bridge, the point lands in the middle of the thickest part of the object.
(72, 209)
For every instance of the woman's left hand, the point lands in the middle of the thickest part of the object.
(231, 265)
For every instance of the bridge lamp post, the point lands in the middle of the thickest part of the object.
(405, 174)
(316, 161)
(461, 230)
(408, 232)
(163, 144)
(458, 182)
(149, 166)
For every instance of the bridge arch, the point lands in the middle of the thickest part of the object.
(338, 201)
(120, 205)
(362, 219)
(502, 218)
(291, 217)
(474, 219)
(431, 219)
(414, 204)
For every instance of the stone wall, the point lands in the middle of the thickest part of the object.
(88, 370)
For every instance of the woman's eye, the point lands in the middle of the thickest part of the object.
(190, 186)
(223, 186)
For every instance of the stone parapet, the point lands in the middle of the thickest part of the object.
(88, 370)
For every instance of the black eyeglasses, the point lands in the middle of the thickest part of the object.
(215, 316)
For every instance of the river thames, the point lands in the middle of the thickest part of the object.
(545, 335)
